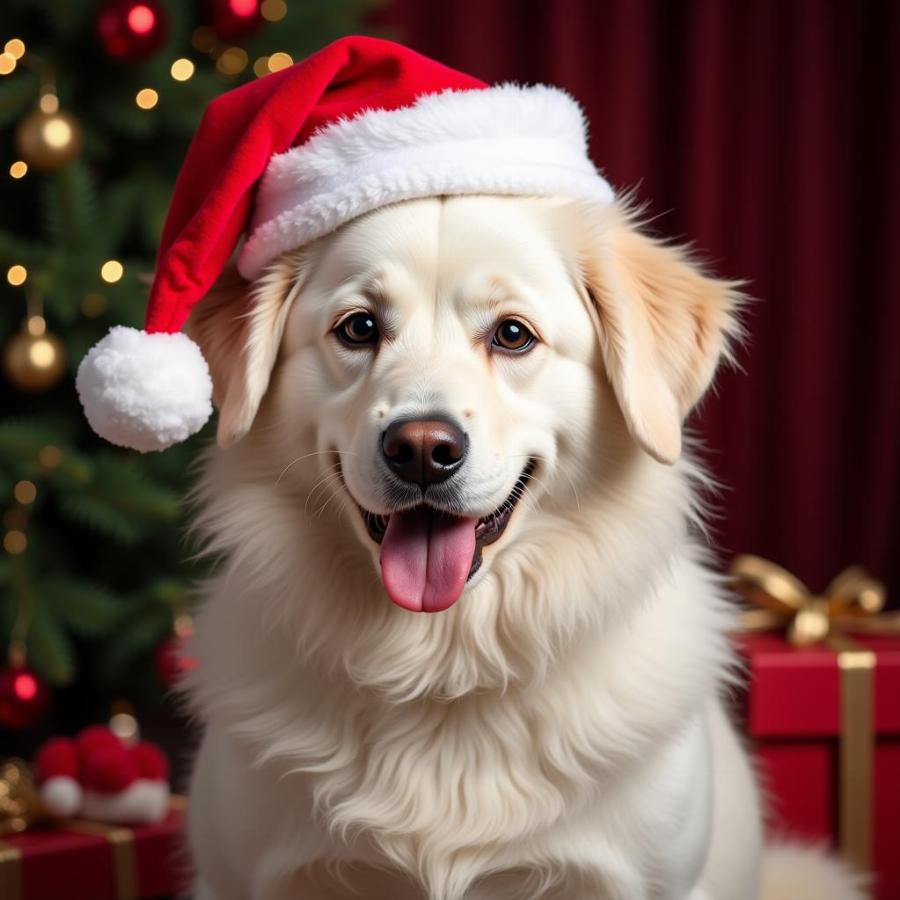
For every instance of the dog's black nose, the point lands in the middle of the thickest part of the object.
(424, 451)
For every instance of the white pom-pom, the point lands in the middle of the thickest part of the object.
(145, 391)
(144, 801)
(61, 796)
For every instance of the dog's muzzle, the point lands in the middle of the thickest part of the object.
(428, 554)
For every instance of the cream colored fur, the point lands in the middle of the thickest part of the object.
(559, 731)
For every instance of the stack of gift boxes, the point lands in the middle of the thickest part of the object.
(822, 709)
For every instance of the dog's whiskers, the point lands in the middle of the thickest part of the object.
(319, 512)
(574, 490)
(543, 484)
(345, 502)
(327, 480)
(294, 462)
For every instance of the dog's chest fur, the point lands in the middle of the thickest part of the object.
(445, 788)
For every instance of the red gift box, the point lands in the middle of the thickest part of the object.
(799, 712)
(89, 861)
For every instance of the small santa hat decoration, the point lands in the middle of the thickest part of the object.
(293, 156)
(100, 777)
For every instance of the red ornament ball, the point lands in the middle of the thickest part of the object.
(131, 30)
(233, 20)
(171, 661)
(24, 697)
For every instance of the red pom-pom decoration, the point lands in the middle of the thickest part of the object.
(98, 775)
(58, 757)
(97, 738)
(108, 770)
(150, 762)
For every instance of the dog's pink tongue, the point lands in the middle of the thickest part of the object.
(425, 559)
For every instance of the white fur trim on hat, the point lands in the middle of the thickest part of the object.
(145, 391)
(501, 140)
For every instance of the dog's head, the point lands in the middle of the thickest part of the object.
(444, 370)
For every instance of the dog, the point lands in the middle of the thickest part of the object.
(473, 407)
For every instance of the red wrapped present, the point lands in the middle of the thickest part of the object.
(89, 861)
(823, 709)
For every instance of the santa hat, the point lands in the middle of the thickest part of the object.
(289, 158)
(99, 776)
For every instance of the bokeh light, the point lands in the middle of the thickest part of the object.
(25, 492)
(146, 98)
(57, 133)
(273, 10)
(25, 686)
(16, 275)
(141, 19)
(279, 61)
(15, 48)
(182, 69)
(243, 8)
(112, 271)
(232, 61)
(49, 103)
(15, 542)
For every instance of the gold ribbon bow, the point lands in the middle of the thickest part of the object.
(852, 603)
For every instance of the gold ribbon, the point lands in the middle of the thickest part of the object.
(853, 602)
(124, 863)
(10, 871)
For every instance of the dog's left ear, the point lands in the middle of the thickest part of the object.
(664, 324)
(239, 326)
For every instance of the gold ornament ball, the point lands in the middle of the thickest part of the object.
(48, 141)
(34, 362)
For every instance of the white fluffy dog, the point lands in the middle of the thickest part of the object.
(471, 406)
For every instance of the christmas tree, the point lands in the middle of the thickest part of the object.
(98, 102)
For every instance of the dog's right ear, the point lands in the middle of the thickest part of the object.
(239, 326)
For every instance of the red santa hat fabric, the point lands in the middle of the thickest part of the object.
(292, 157)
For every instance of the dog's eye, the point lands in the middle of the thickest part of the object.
(512, 335)
(358, 330)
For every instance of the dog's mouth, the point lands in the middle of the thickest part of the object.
(428, 555)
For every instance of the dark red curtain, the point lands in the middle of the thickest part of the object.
(767, 133)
